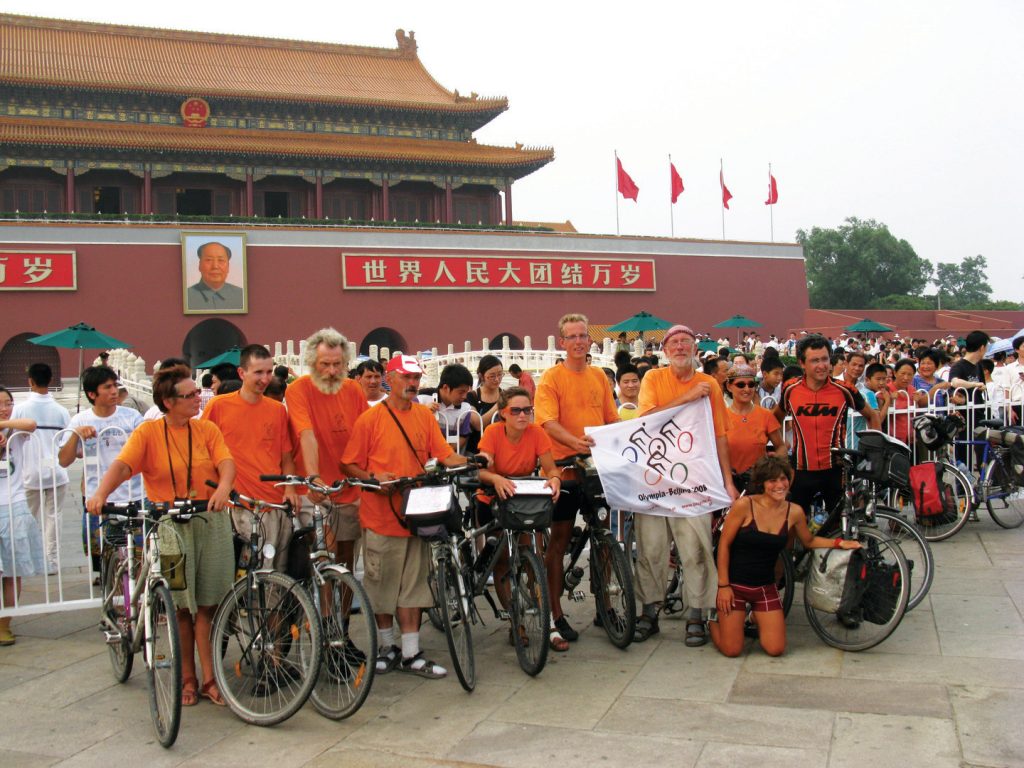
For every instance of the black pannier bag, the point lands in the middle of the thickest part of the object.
(886, 460)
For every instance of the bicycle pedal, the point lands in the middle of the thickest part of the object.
(111, 638)
(504, 616)
(577, 596)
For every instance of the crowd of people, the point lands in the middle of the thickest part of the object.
(374, 419)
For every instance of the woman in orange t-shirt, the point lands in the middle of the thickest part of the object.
(513, 447)
(751, 427)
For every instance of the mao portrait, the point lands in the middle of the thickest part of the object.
(213, 273)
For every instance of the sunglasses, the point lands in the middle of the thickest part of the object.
(742, 384)
(524, 411)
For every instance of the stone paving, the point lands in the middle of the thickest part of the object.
(942, 691)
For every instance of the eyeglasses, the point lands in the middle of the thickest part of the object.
(576, 337)
(524, 411)
(494, 376)
(742, 384)
(190, 396)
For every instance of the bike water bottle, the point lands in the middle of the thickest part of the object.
(573, 577)
(485, 554)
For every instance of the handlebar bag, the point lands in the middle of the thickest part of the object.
(431, 507)
(524, 512)
(886, 460)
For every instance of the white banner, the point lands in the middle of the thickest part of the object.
(664, 464)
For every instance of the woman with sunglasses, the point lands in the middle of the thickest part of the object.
(176, 455)
(751, 427)
(513, 447)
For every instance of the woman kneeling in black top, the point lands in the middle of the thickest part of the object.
(755, 531)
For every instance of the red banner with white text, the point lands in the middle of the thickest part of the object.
(38, 271)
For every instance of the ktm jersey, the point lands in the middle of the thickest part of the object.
(819, 419)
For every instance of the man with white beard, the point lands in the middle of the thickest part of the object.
(322, 407)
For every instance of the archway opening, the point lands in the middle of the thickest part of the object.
(514, 342)
(383, 337)
(18, 354)
(208, 338)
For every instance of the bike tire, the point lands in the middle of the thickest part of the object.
(115, 601)
(271, 640)
(529, 610)
(611, 582)
(346, 670)
(455, 606)
(785, 579)
(434, 616)
(956, 485)
(861, 635)
(916, 550)
(1004, 498)
(163, 664)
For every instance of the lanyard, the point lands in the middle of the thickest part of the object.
(170, 463)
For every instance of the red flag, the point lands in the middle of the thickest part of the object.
(677, 182)
(726, 194)
(773, 191)
(627, 188)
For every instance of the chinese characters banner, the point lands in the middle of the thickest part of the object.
(440, 272)
(38, 270)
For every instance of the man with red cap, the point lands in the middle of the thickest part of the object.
(396, 439)
(662, 389)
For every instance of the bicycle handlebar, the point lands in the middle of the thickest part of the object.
(182, 509)
(248, 503)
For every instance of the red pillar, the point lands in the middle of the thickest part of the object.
(508, 202)
(449, 209)
(319, 196)
(249, 209)
(384, 203)
(69, 196)
(147, 191)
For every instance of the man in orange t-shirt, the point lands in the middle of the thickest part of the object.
(662, 389)
(255, 429)
(396, 439)
(570, 397)
(323, 407)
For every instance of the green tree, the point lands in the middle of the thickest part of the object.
(964, 285)
(859, 262)
(902, 301)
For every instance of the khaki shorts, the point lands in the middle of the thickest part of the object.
(342, 518)
(396, 572)
(209, 558)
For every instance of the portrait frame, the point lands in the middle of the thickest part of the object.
(197, 297)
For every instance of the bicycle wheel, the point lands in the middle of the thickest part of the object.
(958, 489)
(346, 674)
(1004, 498)
(116, 612)
(454, 605)
(163, 664)
(785, 579)
(852, 631)
(611, 582)
(530, 610)
(916, 550)
(269, 634)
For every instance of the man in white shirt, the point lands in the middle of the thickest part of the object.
(455, 416)
(46, 482)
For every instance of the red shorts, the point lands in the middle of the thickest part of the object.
(765, 598)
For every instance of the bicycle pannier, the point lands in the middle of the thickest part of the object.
(524, 512)
(836, 580)
(934, 502)
(886, 460)
(882, 592)
(431, 510)
(1012, 438)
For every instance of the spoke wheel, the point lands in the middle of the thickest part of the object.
(455, 608)
(349, 644)
(1004, 498)
(116, 608)
(785, 579)
(853, 632)
(611, 581)
(269, 636)
(530, 610)
(163, 665)
(916, 550)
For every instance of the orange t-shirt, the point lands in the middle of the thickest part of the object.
(748, 436)
(331, 417)
(660, 387)
(513, 459)
(575, 399)
(147, 452)
(257, 435)
(377, 445)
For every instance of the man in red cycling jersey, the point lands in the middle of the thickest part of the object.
(818, 406)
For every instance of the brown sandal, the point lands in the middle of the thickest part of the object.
(189, 692)
(212, 692)
(556, 641)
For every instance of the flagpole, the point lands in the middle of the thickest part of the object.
(721, 179)
(671, 208)
(616, 192)
(771, 208)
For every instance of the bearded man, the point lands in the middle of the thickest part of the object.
(322, 408)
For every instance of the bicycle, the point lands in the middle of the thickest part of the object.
(266, 631)
(1001, 486)
(349, 639)
(137, 612)
(431, 511)
(611, 577)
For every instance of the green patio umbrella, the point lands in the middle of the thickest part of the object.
(231, 355)
(867, 326)
(79, 336)
(708, 345)
(641, 321)
(737, 322)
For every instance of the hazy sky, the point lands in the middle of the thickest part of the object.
(908, 111)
